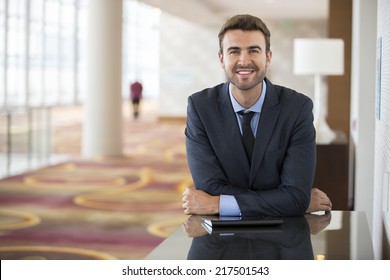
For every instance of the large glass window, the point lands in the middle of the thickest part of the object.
(36, 52)
(140, 47)
(43, 63)
(43, 51)
(2, 52)
(80, 56)
(16, 53)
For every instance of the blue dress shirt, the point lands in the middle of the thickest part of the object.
(228, 205)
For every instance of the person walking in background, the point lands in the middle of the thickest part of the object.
(135, 97)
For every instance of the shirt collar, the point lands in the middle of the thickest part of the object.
(255, 107)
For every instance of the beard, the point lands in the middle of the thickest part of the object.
(246, 84)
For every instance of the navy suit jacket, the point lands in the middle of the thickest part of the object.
(279, 180)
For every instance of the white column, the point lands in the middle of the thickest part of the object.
(363, 102)
(102, 129)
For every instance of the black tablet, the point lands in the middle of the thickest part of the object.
(242, 221)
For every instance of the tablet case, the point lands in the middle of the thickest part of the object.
(243, 221)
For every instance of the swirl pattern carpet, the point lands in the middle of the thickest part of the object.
(103, 208)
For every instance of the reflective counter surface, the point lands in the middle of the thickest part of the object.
(338, 235)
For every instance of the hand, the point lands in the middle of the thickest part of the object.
(318, 222)
(319, 201)
(193, 226)
(198, 202)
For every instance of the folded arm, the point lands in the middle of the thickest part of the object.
(290, 197)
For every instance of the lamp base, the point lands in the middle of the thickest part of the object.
(324, 135)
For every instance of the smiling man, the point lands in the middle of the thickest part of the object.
(250, 144)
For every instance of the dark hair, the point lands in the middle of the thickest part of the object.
(245, 23)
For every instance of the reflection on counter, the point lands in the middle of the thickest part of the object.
(338, 235)
(291, 240)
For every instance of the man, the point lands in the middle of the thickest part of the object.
(274, 175)
(135, 97)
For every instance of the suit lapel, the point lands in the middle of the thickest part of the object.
(268, 118)
(231, 128)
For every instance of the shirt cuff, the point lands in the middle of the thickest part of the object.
(228, 206)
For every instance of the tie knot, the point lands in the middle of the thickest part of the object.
(247, 115)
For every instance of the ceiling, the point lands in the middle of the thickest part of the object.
(214, 13)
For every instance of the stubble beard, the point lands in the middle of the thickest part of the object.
(245, 85)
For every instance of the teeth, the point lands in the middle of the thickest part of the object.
(244, 72)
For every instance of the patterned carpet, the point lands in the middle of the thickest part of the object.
(106, 208)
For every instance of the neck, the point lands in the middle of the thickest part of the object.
(247, 98)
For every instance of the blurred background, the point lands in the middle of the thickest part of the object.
(66, 67)
(171, 46)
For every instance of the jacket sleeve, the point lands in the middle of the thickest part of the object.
(206, 170)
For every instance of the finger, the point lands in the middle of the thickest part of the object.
(187, 211)
(318, 192)
(189, 191)
(326, 208)
(326, 203)
(325, 200)
(185, 226)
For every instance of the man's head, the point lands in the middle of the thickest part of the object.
(245, 52)
(245, 23)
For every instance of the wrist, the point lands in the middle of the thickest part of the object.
(216, 204)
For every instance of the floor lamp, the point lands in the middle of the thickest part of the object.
(319, 57)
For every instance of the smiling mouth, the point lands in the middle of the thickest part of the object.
(245, 72)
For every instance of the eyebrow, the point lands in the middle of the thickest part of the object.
(248, 48)
(255, 47)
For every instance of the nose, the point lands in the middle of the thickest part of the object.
(244, 59)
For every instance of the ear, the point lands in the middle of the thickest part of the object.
(269, 58)
(220, 57)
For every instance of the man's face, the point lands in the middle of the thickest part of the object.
(244, 58)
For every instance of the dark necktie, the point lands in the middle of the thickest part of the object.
(247, 135)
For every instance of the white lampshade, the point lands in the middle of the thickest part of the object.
(319, 56)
